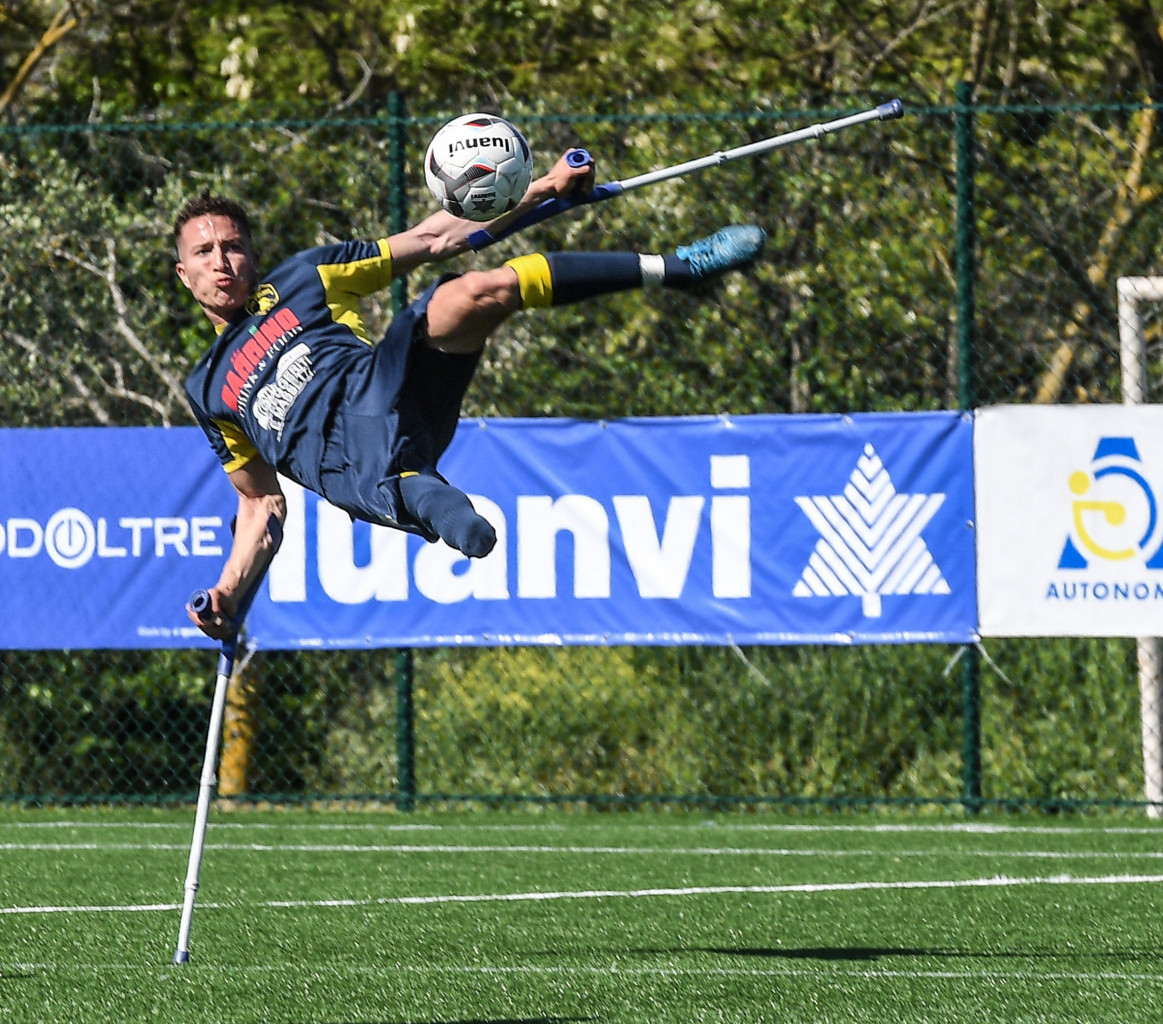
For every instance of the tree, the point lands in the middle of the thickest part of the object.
(851, 309)
(145, 55)
(62, 23)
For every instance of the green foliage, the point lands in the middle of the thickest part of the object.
(613, 724)
(83, 723)
(147, 55)
(1073, 701)
(794, 723)
(852, 308)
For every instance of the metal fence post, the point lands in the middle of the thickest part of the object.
(398, 221)
(966, 342)
(405, 733)
(398, 184)
(1136, 391)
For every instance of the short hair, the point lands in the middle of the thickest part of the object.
(208, 204)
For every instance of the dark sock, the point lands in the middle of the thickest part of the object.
(559, 278)
(678, 272)
(448, 513)
(582, 275)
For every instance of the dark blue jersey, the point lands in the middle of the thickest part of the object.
(272, 380)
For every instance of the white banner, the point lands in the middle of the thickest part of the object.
(1069, 524)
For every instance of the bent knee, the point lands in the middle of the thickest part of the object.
(462, 312)
(491, 288)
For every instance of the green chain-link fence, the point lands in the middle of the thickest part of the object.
(965, 255)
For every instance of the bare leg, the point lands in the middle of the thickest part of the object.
(462, 313)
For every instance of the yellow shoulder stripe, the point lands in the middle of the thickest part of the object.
(241, 450)
(345, 283)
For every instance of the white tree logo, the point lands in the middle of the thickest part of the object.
(870, 540)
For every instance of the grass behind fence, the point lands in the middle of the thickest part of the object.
(1059, 724)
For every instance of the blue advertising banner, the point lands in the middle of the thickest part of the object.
(755, 529)
(104, 533)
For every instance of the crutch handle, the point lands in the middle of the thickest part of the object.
(201, 604)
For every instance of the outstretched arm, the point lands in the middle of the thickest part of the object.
(441, 235)
(259, 497)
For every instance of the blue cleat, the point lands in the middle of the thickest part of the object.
(726, 249)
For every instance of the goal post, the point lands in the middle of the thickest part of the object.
(1132, 293)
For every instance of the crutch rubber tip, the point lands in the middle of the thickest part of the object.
(181, 956)
(890, 110)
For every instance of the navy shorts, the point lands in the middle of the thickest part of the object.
(399, 413)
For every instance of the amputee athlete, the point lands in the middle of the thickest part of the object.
(294, 385)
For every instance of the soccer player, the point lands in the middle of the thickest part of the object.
(294, 385)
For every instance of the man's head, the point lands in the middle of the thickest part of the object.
(216, 258)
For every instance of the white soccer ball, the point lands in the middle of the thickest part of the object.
(478, 166)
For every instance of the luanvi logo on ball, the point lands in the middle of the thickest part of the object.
(478, 167)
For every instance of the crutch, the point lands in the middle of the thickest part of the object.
(200, 604)
(482, 237)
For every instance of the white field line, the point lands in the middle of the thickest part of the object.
(215, 825)
(650, 851)
(827, 971)
(968, 828)
(995, 882)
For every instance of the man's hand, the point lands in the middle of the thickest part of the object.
(562, 181)
(442, 235)
(218, 622)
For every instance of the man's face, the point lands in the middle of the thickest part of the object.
(218, 265)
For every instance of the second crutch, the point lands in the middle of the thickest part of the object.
(200, 604)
